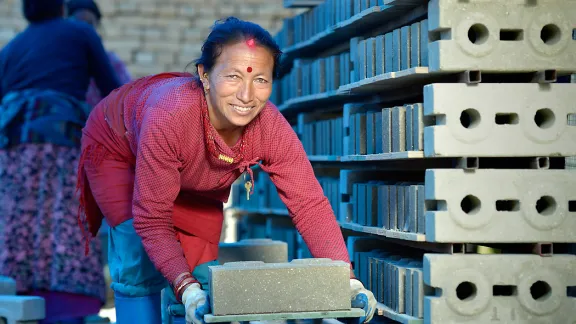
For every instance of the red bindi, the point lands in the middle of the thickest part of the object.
(250, 42)
(249, 69)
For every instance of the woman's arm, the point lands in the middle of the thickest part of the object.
(100, 67)
(156, 186)
(292, 173)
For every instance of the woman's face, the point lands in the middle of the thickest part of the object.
(239, 84)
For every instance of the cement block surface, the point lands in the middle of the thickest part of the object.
(386, 130)
(306, 285)
(398, 129)
(396, 50)
(506, 119)
(415, 45)
(405, 48)
(7, 286)
(534, 288)
(264, 250)
(523, 48)
(22, 308)
(353, 312)
(489, 202)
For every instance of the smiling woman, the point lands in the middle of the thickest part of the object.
(160, 155)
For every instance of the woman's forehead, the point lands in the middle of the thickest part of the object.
(241, 54)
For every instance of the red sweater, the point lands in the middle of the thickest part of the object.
(166, 135)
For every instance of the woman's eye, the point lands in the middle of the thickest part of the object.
(233, 77)
(260, 80)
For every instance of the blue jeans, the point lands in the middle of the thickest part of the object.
(131, 271)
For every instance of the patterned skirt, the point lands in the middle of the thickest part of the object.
(41, 245)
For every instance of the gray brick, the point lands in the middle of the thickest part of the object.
(408, 299)
(417, 294)
(424, 42)
(409, 128)
(361, 67)
(393, 215)
(17, 309)
(7, 286)
(386, 130)
(396, 49)
(412, 210)
(264, 250)
(405, 41)
(307, 285)
(418, 127)
(398, 129)
(415, 44)
(421, 210)
(388, 53)
(370, 57)
(379, 49)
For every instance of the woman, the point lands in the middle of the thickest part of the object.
(88, 12)
(160, 155)
(44, 75)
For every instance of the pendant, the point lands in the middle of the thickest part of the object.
(226, 158)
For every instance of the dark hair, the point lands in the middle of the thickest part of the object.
(232, 30)
(90, 5)
(39, 10)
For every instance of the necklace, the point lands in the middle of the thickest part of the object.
(210, 139)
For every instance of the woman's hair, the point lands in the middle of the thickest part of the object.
(39, 10)
(90, 5)
(233, 30)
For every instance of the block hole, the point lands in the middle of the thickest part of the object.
(571, 291)
(507, 205)
(550, 34)
(466, 291)
(470, 205)
(571, 119)
(574, 34)
(544, 118)
(345, 198)
(546, 205)
(506, 119)
(540, 290)
(435, 120)
(572, 206)
(470, 118)
(504, 290)
(543, 163)
(531, 3)
(478, 34)
(436, 205)
(511, 35)
(546, 249)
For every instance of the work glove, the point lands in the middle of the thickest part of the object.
(195, 303)
(362, 298)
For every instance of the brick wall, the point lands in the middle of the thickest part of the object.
(152, 36)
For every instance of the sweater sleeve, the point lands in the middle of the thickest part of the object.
(292, 174)
(156, 186)
(100, 66)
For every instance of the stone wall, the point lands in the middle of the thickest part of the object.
(153, 36)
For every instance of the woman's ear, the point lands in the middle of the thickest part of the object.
(203, 75)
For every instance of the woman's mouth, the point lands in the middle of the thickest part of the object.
(242, 110)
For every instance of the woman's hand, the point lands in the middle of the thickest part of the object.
(195, 304)
(362, 298)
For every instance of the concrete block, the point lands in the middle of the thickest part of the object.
(361, 203)
(264, 250)
(361, 67)
(282, 317)
(393, 209)
(372, 204)
(417, 293)
(396, 50)
(321, 75)
(400, 205)
(421, 210)
(7, 286)
(418, 127)
(491, 36)
(378, 132)
(405, 48)
(355, 51)
(370, 57)
(389, 53)
(415, 44)
(409, 131)
(360, 135)
(379, 57)
(18, 309)
(424, 43)
(352, 135)
(386, 130)
(508, 119)
(506, 288)
(370, 132)
(383, 206)
(489, 202)
(411, 219)
(398, 129)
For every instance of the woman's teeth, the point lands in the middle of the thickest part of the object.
(243, 109)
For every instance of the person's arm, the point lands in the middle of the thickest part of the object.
(100, 67)
(120, 68)
(291, 172)
(156, 186)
